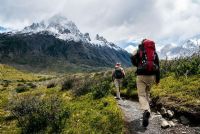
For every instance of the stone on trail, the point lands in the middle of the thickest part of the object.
(171, 123)
(175, 120)
(163, 111)
(158, 113)
(170, 113)
(164, 124)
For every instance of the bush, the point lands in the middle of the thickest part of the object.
(101, 90)
(51, 85)
(83, 87)
(35, 113)
(6, 83)
(183, 66)
(67, 84)
(21, 88)
(129, 81)
(31, 85)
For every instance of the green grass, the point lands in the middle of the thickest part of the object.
(10, 73)
(87, 115)
(182, 93)
(94, 116)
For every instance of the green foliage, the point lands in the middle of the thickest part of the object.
(36, 113)
(6, 83)
(99, 116)
(83, 88)
(101, 89)
(21, 88)
(68, 84)
(179, 93)
(84, 106)
(129, 81)
(182, 66)
(51, 84)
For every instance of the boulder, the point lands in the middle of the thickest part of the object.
(170, 114)
(171, 123)
(164, 123)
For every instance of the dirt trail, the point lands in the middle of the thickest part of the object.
(133, 116)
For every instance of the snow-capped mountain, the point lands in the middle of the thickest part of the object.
(184, 48)
(57, 43)
(168, 50)
(58, 26)
(128, 45)
(64, 29)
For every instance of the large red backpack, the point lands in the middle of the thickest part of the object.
(147, 54)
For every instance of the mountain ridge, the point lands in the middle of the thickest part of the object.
(171, 50)
(43, 48)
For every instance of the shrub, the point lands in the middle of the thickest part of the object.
(83, 87)
(67, 84)
(51, 85)
(181, 66)
(6, 83)
(31, 85)
(35, 113)
(21, 88)
(129, 81)
(100, 90)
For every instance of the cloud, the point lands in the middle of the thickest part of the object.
(114, 19)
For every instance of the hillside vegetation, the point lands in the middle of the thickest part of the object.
(179, 88)
(79, 103)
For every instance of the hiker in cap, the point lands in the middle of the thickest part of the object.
(117, 76)
(148, 72)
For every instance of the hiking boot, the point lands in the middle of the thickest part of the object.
(146, 116)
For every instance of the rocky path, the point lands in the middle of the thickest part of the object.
(133, 116)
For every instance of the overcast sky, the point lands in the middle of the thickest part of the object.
(114, 19)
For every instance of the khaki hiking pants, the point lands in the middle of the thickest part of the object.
(144, 84)
(118, 85)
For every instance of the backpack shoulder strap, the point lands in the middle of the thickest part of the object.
(142, 53)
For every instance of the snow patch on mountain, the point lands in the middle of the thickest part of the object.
(58, 26)
(131, 49)
(168, 50)
(64, 29)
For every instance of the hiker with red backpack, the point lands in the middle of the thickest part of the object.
(148, 72)
(117, 76)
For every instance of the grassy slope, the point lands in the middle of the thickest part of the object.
(10, 73)
(9, 79)
(87, 115)
(182, 93)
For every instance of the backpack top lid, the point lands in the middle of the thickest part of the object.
(149, 44)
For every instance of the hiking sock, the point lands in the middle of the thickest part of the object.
(146, 116)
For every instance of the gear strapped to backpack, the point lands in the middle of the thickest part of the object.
(118, 73)
(147, 55)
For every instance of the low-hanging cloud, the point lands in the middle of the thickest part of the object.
(114, 19)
